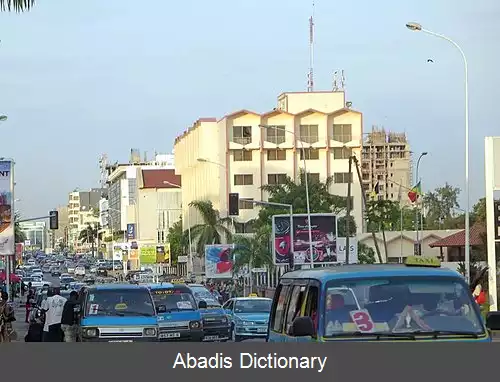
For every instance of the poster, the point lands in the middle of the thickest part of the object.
(353, 253)
(133, 254)
(147, 254)
(6, 209)
(324, 239)
(118, 253)
(163, 253)
(218, 261)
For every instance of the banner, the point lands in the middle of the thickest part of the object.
(324, 239)
(147, 254)
(7, 239)
(130, 231)
(218, 261)
(117, 253)
(133, 254)
(353, 252)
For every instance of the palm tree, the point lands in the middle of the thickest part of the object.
(16, 5)
(254, 251)
(19, 234)
(213, 227)
(90, 234)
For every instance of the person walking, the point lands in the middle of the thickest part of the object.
(7, 317)
(53, 308)
(30, 300)
(69, 317)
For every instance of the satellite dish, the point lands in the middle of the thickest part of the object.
(348, 104)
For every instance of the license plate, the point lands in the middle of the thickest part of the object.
(169, 335)
(262, 330)
(121, 341)
(211, 338)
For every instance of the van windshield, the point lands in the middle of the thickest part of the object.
(119, 302)
(174, 299)
(400, 305)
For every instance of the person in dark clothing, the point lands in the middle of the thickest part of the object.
(30, 300)
(35, 330)
(69, 317)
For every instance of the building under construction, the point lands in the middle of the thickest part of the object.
(387, 159)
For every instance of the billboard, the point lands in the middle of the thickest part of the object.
(218, 261)
(130, 231)
(324, 239)
(147, 254)
(7, 239)
(163, 253)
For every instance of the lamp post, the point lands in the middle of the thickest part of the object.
(417, 217)
(3, 118)
(311, 253)
(417, 27)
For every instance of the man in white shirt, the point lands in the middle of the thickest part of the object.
(53, 308)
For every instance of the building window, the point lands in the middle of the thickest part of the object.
(342, 133)
(275, 134)
(245, 204)
(309, 154)
(242, 134)
(309, 133)
(243, 227)
(276, 178)
(242, 155)
(342, 177)
(243, 180)
(342, 153)
(313, 177)
(276, 154)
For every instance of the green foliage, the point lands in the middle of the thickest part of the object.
(440, 205)
(178, 239)
(253, 251)
(341, 229)
(16, 5)
(366, 254)
(213, 228)
(19, 234)
(90, 233)
(382, 215)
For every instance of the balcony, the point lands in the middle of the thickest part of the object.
(242, 140)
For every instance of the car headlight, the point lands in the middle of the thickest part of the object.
(150, 332)
(90, 332)
(195, 324)
(224, 320)
(247, 323)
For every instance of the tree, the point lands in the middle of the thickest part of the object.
(440, 205)
(366, 255)
(19, 234)
(16, 5)
(381, 215)
(212, 229)
(479, 211)
(90, 234)
(178, 239)
(253, 250)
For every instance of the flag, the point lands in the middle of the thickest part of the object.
(414, 193)
(375, 191)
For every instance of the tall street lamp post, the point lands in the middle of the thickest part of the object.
(417, 217)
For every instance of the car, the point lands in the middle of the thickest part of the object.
(55, 271)
(65, 282)
(63, 275)
(70, 269)
(46, 268)
(249, 317)
(80, 271)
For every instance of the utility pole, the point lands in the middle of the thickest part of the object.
(348, 213)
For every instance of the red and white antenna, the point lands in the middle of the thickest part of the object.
(310, 76)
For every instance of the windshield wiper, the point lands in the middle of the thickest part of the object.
(378, 336)
(131, 312)
(437, 333)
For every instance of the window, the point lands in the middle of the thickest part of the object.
(313, 178)
(342, 177)
(242, 134)
(245, 204)
(295, 305)
(276, 178)
(312, 305)
(242, 155)
(243, 227)
(310, 154)
(278, 311)
(243, 180)
(275, 134)
(309, 133)
(342, 153)
(276, 154)
(342, 133)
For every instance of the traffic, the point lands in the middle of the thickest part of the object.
(416, 301)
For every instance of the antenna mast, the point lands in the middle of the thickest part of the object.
(310, 77)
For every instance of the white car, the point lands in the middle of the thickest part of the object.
(70, 269)
(64, 275)
(38, 274)
(79, 271)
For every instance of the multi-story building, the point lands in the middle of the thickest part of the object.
(236, 154)
(82, 209)
(36, 235)
(60, 235)
(386, 160)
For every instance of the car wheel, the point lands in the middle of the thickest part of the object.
(234, 337)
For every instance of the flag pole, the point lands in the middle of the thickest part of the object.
(401, 216)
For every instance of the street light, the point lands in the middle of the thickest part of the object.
(417, 180)
(306, 184)
(204, 160)
(3, 118)
(417, 27)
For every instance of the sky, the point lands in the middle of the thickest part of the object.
(79, 79)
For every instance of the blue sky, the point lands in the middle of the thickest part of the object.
(78, 79)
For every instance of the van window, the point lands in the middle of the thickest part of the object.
(279, 310)
(295, 305)
(312, 305)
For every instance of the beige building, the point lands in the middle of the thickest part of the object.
(234, 154)
(82, 208)
(61, 234)
(386, 159)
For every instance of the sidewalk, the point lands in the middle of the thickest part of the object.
(19, 325)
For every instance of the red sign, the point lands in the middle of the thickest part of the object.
(363, 321)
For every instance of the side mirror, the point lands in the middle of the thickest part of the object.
(202, 305)
(228, 312)
(302, 327)
(493, 321)
(161, 309)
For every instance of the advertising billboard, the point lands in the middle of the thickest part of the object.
(218, 261)
(147, 254)
(324, 239)
(6, 209)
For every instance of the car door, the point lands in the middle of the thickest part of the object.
(229, 309)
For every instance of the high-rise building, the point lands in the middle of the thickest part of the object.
(82, 210)
(237, 155)
(386, 160)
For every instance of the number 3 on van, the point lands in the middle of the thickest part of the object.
(363, 321)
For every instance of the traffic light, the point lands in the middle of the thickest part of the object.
(234, 204)
(497, 219)
(54, 219)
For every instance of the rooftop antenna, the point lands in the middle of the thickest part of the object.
(310, 77)
(335, 81)
(342, 80)
(103, 164)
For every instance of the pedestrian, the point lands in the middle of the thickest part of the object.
(53, 308)
(7, 317)
(35, 329)
(69, 317)
(30, 301)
